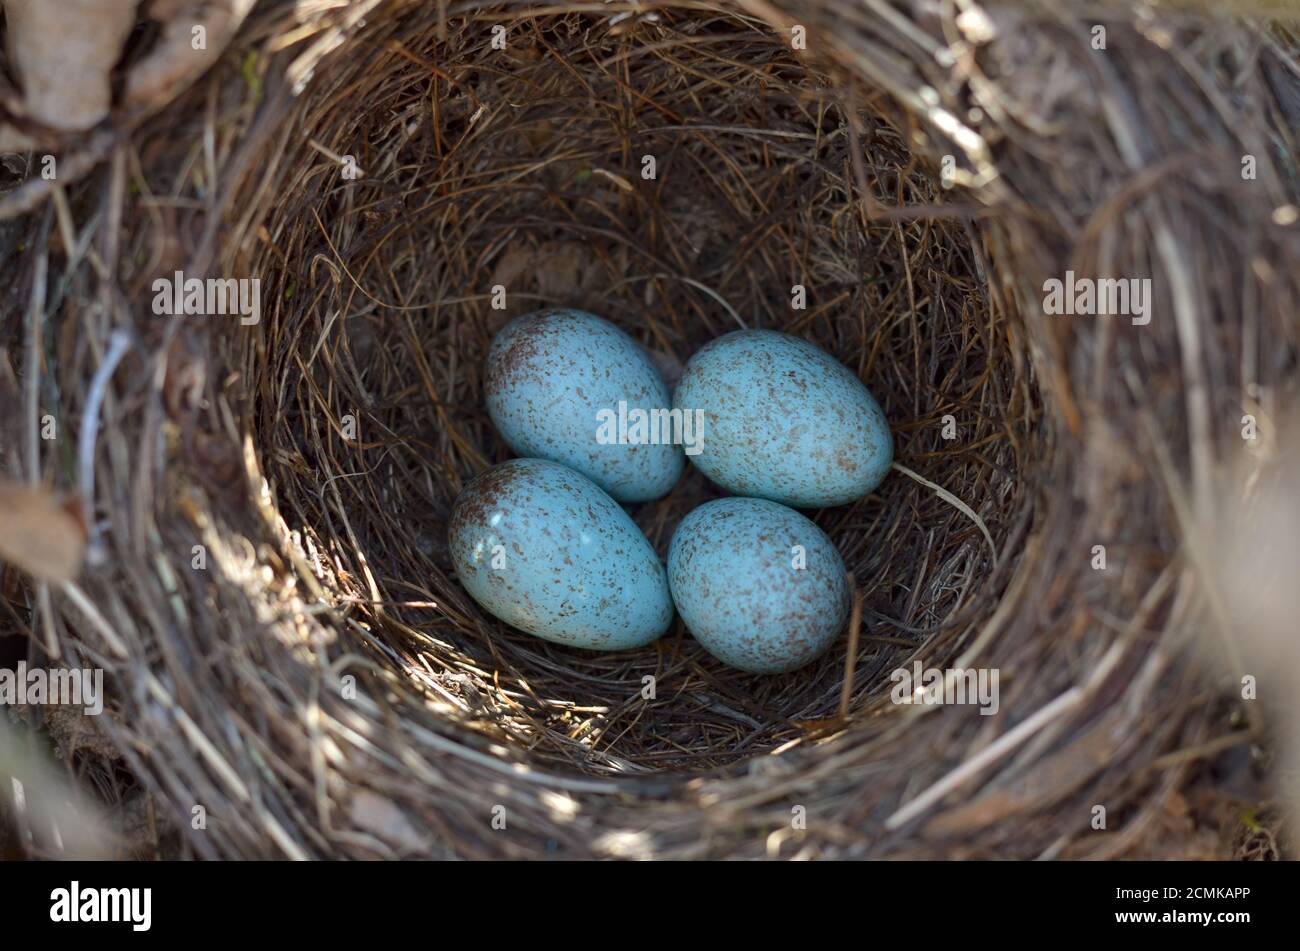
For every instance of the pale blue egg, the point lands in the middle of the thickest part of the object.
(784, 420)
(568, 386)
(541, 547)
(759, 586)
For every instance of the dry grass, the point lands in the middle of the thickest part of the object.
(326, 555)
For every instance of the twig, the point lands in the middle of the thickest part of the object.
(118, 344)
(851, 661)
(985, 757)
(956, 503)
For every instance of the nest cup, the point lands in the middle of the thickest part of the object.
(684, 177)
(405, 178)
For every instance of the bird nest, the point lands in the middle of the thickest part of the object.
(288, 650)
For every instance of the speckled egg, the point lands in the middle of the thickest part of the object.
(760, 586)
(544, 549)
(568, 386)
(785, 421)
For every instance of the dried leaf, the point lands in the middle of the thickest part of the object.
(511, 265)
(566, 271)
(39, 534)
(64, 53)
(175, 63)
(559, 272)
(384, 819)
(11, 140)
